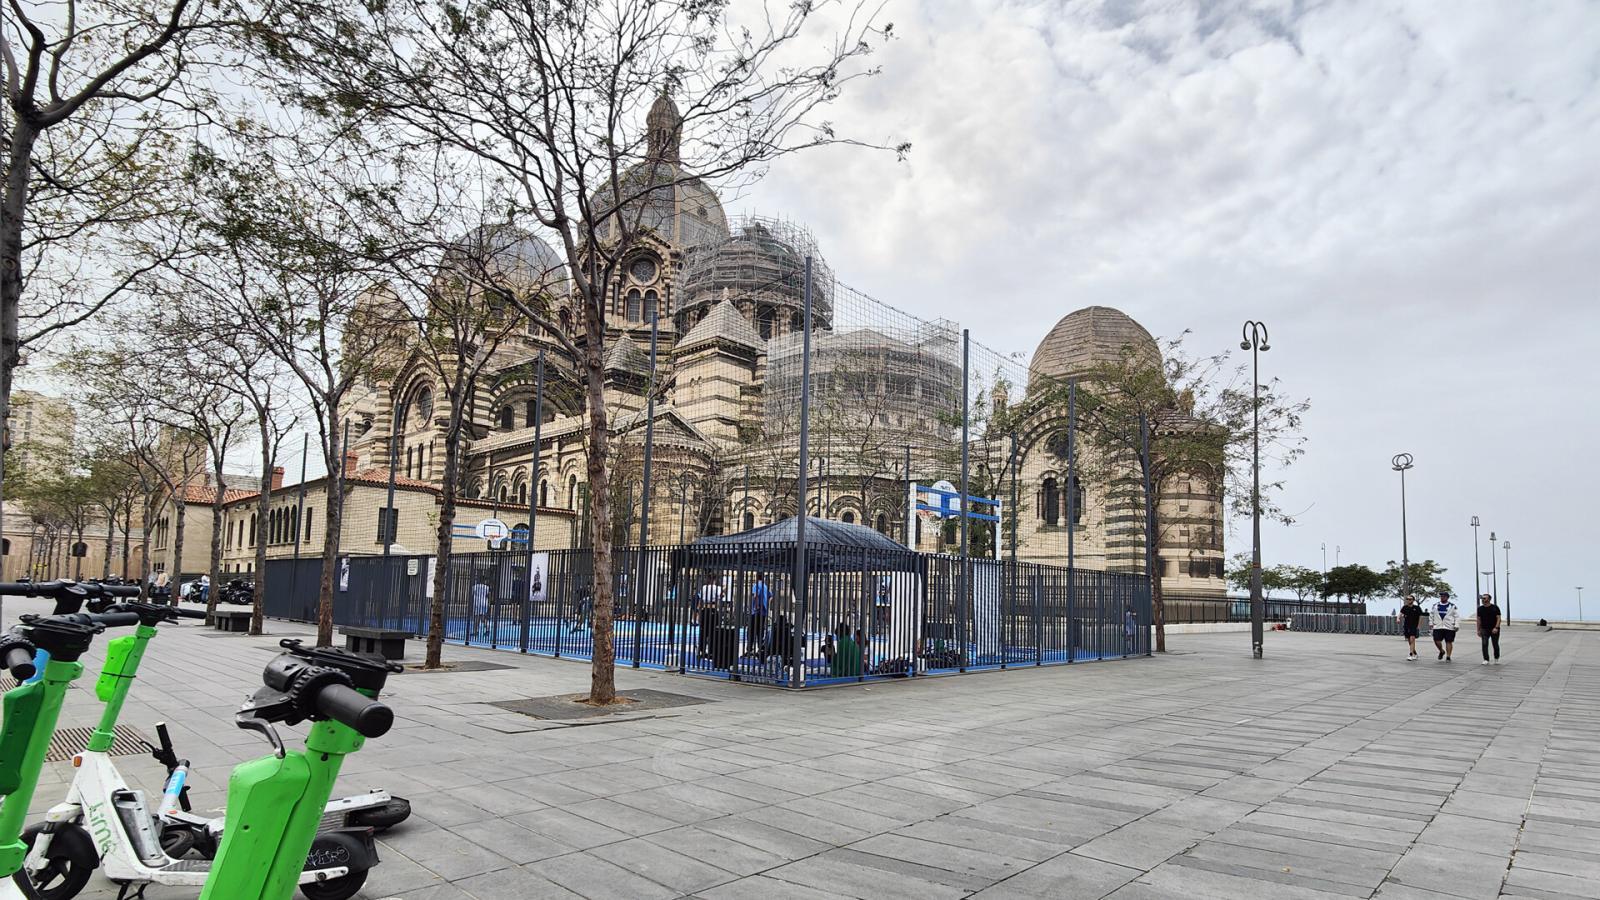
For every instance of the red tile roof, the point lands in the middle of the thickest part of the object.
(205, 493)
(380, 476)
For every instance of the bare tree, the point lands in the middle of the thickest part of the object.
(552, 99)
(82, 147)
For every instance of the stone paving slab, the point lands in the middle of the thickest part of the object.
(1334, 768)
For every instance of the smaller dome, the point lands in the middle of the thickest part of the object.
(1090, 337)
(504, 250)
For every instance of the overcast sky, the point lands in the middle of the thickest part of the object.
(1404, 191)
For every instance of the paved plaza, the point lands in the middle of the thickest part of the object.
(1334, 768)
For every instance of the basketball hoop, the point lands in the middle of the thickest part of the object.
(494, 531)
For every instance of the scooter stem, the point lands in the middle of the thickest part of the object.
(14, 812)
(123, 655)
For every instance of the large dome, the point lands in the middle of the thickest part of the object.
(657, 194)
(1089, 337)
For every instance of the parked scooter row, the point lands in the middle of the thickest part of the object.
(281, 830)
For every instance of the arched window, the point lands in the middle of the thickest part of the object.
(797, 322)
(522, 494)
(848, 517)
(572, 492)
(308, 524)
(883, 524)
(749, 521)
(764, 320)
(635, 306)
(1050, 502)
(1076, 500)
(649, 305)
(252, 529)
(530, 414)
(508, 418)
(424, 406)
(504, 494)
(544, 492)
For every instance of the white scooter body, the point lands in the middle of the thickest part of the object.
(101, 802)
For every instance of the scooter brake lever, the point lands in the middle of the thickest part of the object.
(251, 723)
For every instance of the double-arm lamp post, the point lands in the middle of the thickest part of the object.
(1255, 340)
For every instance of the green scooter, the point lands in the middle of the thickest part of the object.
(276, 803)
(29, 716)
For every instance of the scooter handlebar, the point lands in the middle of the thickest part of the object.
(351, 707)
(113, 590)
(113, 619)
(20, 662)
(191, 613)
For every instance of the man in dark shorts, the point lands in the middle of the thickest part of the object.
(1410, 623)
(1489, 626)
(1444, 617)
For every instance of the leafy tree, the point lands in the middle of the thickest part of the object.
(1354, 582)
(1197, 412)
(1418, 579)
(1302, 581)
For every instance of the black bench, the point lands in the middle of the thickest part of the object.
(381, 641)
(231, 619)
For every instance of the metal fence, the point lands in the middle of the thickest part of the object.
(1322, 623)
(734, 613)
(1184, 611)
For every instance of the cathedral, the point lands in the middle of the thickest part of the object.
(726, 296)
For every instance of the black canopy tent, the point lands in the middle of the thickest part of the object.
(830, 547)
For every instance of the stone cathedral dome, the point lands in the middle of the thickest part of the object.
(1089, 337)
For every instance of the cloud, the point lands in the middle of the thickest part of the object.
(1407, 192)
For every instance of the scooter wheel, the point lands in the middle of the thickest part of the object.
(342, 888)
(384, 817)
(70, 861)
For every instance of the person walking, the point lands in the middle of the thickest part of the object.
(1443, 618)
(760, 609)
(1410, 622)
(1489, 626)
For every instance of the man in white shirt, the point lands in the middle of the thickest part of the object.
(1443, 617)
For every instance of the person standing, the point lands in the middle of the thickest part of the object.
(760, 609)
(1443, 617)
(1410, 622)
(1130, 627)
(480, 608)
(710, 596)
(1489, 626)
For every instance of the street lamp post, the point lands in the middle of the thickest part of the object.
(1477, 586)
(1494, 576)
(1400, 463)
(1580, 603)
(1256, 341)
(1506, 546)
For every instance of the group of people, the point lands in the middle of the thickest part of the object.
(1444, 618)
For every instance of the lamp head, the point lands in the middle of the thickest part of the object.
(1491, 537)
(1265, 347)
(1244, 345)
(1474, 521)
(1506, 546)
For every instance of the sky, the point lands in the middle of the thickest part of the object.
(1407, 193)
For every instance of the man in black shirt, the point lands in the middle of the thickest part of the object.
(1410, 619)
(1489, 626)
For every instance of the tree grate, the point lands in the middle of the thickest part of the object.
(69, 742)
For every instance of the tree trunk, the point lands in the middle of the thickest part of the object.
(445, 542)
(177, 548)
(333, 519)
(216, 543)
(111, 537)
(1158, 611)
(602, 667)
(127, 536)
(263, 504)
(12, 208)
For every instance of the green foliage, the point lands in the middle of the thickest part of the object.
(1420, 579)
(1354, 582)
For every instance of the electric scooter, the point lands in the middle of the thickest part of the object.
(30, 713)
(275, 803)
(134, 847)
